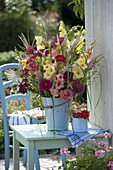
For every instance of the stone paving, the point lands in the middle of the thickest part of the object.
(47, 162)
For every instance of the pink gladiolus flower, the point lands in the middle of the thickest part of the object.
(54, 53)
(66, 94)
(59, 84)
(55, 92)
(60, 77)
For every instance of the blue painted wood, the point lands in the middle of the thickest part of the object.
(4, 100)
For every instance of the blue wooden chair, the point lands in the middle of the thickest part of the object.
(5, 99)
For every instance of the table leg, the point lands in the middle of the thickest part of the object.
(15, 153)
(30, 155)
(79, 151)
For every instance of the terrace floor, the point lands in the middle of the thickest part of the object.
(47, 162)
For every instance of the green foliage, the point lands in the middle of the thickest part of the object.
(18, 5)
(7, 57)
(78, 8)
(11, 25)
(42, 5)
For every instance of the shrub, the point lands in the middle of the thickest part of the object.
(11, 25)
(96, 155)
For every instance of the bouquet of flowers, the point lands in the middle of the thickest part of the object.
(57, 67)
(79, 111)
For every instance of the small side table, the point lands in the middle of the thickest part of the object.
(35, 137)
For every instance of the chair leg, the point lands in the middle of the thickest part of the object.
(37, 163)
(7, 156)
(63, 158)
(24, 157)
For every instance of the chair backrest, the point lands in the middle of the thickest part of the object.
(5, 99)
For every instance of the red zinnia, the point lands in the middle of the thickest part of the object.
(85, 114)
(45, 85)
(60, 58)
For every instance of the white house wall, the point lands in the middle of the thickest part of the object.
(99, 26)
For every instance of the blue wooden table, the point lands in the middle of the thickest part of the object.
(35, 137)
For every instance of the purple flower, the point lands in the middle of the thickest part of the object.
(61, 39)
(30, 50)
(110, 164)
(65, 151)
(100, 153)
(45, 85)
(46, 52)
(68, 76)
(78, 87)
(39, 53)
(23, 86)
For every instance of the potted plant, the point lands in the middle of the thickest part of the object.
(57, 70)
(95, 155)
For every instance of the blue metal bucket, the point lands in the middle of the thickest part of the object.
(80, 125)
(56, 112)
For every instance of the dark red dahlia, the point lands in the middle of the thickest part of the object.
(45, 85)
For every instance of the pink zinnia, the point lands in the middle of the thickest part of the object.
(66, 94)
(78, 87)
(45, 85)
